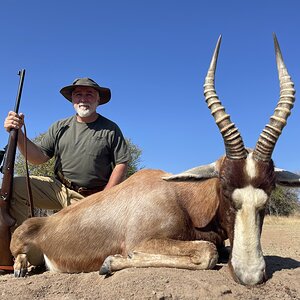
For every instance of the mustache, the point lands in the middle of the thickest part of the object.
(84, 103)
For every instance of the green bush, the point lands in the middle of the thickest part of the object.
(283, 202)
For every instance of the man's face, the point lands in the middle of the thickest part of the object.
(85, 101)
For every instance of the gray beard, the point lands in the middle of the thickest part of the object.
(83, 113)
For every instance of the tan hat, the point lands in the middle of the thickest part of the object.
(104, 93)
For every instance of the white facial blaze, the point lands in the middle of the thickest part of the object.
(247, 257)
(250, 166)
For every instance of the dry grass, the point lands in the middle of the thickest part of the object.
(274, 220)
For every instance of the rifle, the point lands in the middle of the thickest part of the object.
(6, 221)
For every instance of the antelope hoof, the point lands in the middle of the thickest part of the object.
(20, 266)
(106, 267)
(20, 273)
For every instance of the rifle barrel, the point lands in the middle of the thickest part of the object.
(22, 75)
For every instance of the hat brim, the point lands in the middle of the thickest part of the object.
(104, 93)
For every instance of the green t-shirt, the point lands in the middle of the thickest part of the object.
(85, 153)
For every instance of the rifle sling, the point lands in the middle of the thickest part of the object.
(29, 190)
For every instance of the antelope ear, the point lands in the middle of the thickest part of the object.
(198, 173)
(287, 178)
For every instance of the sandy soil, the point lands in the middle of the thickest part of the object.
(281, 245)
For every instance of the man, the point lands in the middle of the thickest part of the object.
(90, 153)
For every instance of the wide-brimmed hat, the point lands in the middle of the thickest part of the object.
(103, 92)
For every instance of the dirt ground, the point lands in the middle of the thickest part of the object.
(281, 245)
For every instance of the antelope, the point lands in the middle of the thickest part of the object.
(156, 219)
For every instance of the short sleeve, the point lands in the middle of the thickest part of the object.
(120, 148)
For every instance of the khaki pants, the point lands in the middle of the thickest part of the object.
(47, 193)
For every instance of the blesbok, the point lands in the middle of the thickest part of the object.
(155, 219)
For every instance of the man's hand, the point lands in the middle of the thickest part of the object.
(34, 153)
(13, 121)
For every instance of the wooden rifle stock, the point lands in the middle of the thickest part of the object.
(6, 221)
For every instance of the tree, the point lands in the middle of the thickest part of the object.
(283, 202)
(47, 169)
(134, 163)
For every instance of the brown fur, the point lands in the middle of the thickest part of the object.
(144, 207)
(136, 213)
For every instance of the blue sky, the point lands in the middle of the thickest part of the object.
(154, 56)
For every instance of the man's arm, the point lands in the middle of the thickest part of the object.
(34, 153)
(117, 176)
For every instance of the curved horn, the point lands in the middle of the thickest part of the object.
(270, 134)
(234, 145)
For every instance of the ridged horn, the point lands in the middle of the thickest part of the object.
(270, 134)
(234, 145)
